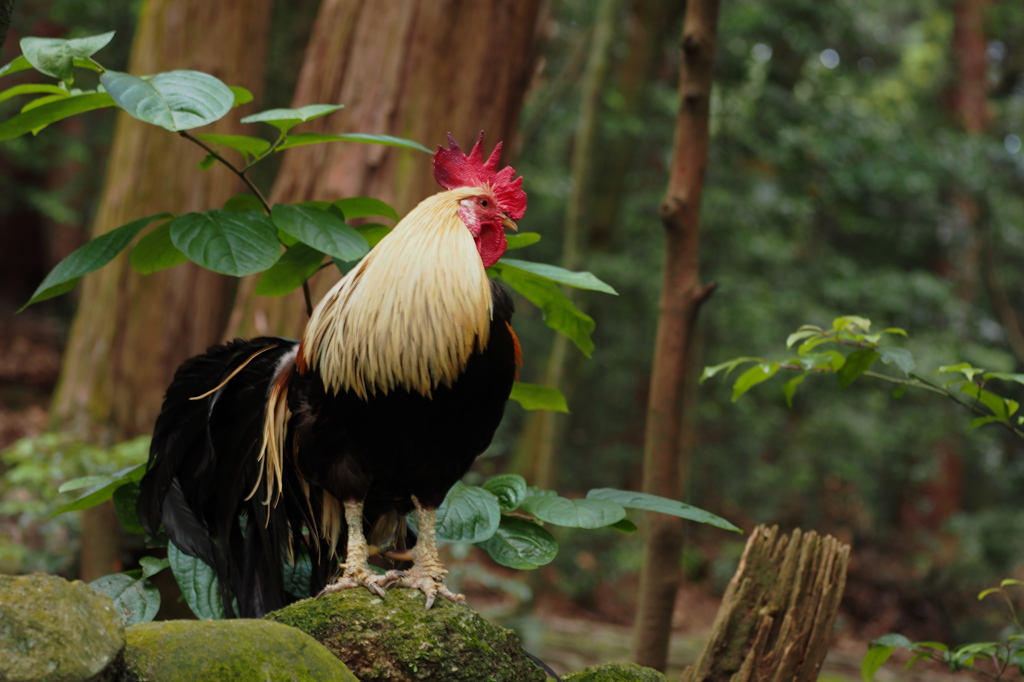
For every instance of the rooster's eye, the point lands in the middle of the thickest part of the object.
(484, 203)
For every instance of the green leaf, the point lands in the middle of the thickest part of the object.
(663, 505)
(624, 526)
(873, 660)
(857, 362)
(536, 397)
(42, 116)
(151, 565)
(243, 202)
(510, 489)
(762, 371)
(89, 257)
(83, 482)
(135, 600)
(847, 321)
(468, 514)
(585, 513)
(789, 390)
(156, 252)
(32, 88)
(560, 313)
(236, 243)
(175, 100)
(17, 64)
(321, 230)
(727, 367)
(997, 404)
(800, 335)
(126, 498)
(286, 119)
(1005, 376)
(207, 162)
(579, 280)
(301, 139)
(1006, 582)
(894, 330)
(981, 421)
(246, 145)
(297, 576)
(55, 56)
(198, 584)
(985, 593)
(103, 490)
(520, 544)
(242, 95)
(298, 264)
(373, 232)
(900, 357)
(964, 368)
(365, 207)
(521, 239)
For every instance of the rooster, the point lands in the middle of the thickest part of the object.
(270, 449)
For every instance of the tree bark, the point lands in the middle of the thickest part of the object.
(775, 622)
(411, 68)
(6, 10)
(681, 297)
(130, 331)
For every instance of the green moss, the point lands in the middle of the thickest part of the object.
(398, 639)
(237, 650)
(616, 672)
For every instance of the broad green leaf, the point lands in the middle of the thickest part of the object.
(510, 489)
(295, 266)
(17, 64)
(579, 280)
(1005, 376)
(243, 202)
(560, 313)
(895, 330)
(892, 639)
(135, 600)
(125, 499)
(236, 243)
(151, 565)
(536, 397)
(789, 390)
(663, 505)
(857, 362)
(298, 575)
(89, 257)
(365, 207)
(997, 404)
(468, 514)
(246, 145)
(521, 239)
(207, 162)
(727, 366)
(520, 544)
(762, 371)
(242, 95)
(198, 584)
(174, 100)
(43, 101)
(55, 56)
(321, 230)
(42, 116)
(286, 119)
(800, 335)
(301, 139)
(579, 513)
(103, 491)
(156, 252)
(843, 323)
(373, 232)
(900, 357)
(964, 368)
(30, 89)
(84, 482)
(624, 526)
(873, 660)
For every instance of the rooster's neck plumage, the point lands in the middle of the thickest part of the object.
(411, 314)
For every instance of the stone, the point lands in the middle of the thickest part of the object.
(616, 672)
(242, 650)
(52, 629)
(399, 640)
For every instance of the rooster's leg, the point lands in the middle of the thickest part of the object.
(356, 571)
(427, 573)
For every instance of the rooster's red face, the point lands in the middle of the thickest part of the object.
(485, 219)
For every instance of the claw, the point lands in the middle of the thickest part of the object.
(427, 573)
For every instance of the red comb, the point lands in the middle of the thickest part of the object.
(454, 169)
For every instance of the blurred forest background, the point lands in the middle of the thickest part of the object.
(865, 158)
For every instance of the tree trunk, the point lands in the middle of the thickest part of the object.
(775, 622)
(681, 297)
(411, 68)
(541, 433)
(131, 332)
(6, 10)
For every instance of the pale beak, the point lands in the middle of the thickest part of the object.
(509, 223)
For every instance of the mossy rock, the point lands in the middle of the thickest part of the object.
(52, 629)
(397, 639)
(616, 672)
(214, 651)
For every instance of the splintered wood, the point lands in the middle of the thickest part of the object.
(776, 618)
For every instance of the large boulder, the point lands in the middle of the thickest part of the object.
(52, 629)
(397, 639)
(215, 651)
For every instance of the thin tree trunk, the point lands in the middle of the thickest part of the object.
(131, 332)
(412, 68)
(6, 10)
(681, 297)
(543, 428)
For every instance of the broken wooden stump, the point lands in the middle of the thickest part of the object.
(775, 622)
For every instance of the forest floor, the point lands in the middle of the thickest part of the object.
(563, 634)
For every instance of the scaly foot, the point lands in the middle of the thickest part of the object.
(428, 583)
(356, 573)
(361, 576)
(427, 573)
